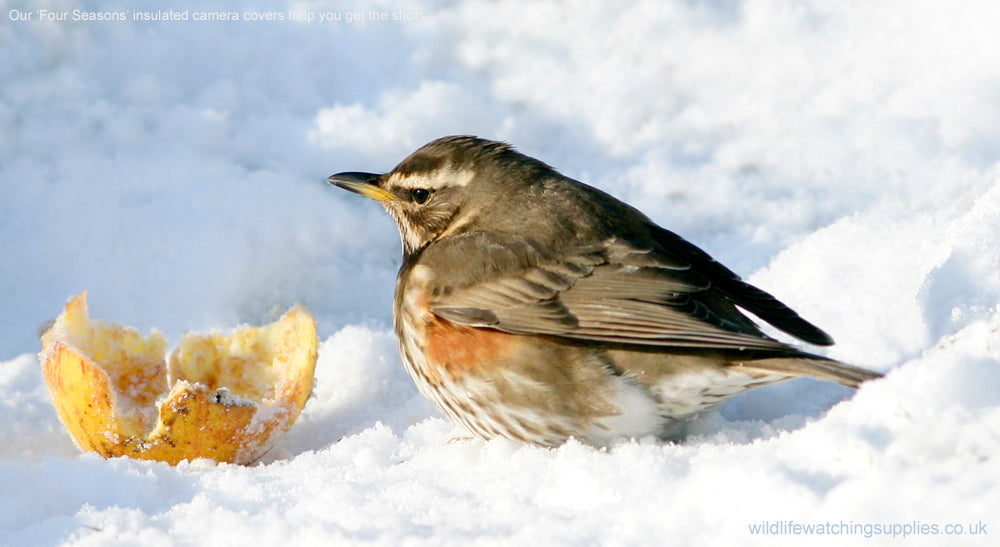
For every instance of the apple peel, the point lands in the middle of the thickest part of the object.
(227, 397)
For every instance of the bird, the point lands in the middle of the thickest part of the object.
(534, 307)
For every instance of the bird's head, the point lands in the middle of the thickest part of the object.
(450, 186)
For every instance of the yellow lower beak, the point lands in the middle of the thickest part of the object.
(366, 184)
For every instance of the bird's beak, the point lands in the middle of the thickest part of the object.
(366, 184)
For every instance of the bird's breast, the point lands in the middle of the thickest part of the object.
(439, 350)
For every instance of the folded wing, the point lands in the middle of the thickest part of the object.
(663, 294)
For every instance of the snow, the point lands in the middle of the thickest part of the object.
(843, 156)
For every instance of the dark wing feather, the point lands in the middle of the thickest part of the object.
(741, 293)
(612, 292)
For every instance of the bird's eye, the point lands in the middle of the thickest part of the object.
(420, 195)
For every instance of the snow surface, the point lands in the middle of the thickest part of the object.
(843, 155)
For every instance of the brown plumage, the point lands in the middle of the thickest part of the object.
(534, 307)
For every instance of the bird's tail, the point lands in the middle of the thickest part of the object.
(814, 366)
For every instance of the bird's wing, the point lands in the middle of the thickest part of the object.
(737, 291)
(612, 291)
